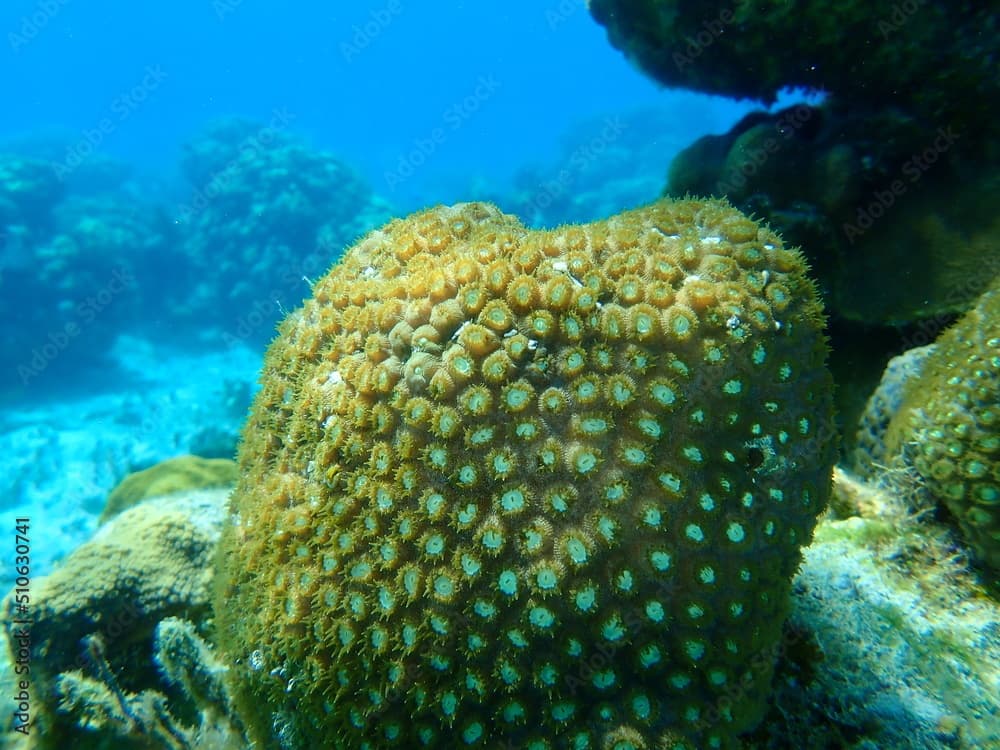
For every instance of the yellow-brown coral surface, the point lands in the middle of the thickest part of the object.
(948, 425)
(529, 489)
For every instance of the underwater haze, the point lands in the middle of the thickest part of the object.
(424, 98)
(133, 108)
(523, 375)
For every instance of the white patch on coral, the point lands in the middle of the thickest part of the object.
(256, 660)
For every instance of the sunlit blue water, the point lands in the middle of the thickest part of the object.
(374, 80)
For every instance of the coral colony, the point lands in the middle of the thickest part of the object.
(485, 458)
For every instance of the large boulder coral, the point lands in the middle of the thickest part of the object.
(529, 489)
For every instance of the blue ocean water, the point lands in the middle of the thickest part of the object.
(425, 99)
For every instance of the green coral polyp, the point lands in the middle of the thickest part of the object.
(510, 472)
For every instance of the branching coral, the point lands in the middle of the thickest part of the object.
(99, 704)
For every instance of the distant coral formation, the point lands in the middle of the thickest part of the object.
(266, 213)
(603, 166)
(91, 252)
(72, 268)
(28, 188)
(169, 477)
(530, 489)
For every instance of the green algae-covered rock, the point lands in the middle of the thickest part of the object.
(905, 649)
(533, 489)
(168, 477)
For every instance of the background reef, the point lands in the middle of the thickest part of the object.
(138, 289)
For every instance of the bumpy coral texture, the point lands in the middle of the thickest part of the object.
(533, 489)
(266, 208)
(948, 427)
(151, 562)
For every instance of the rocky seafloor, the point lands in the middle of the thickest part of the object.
(66, 453)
